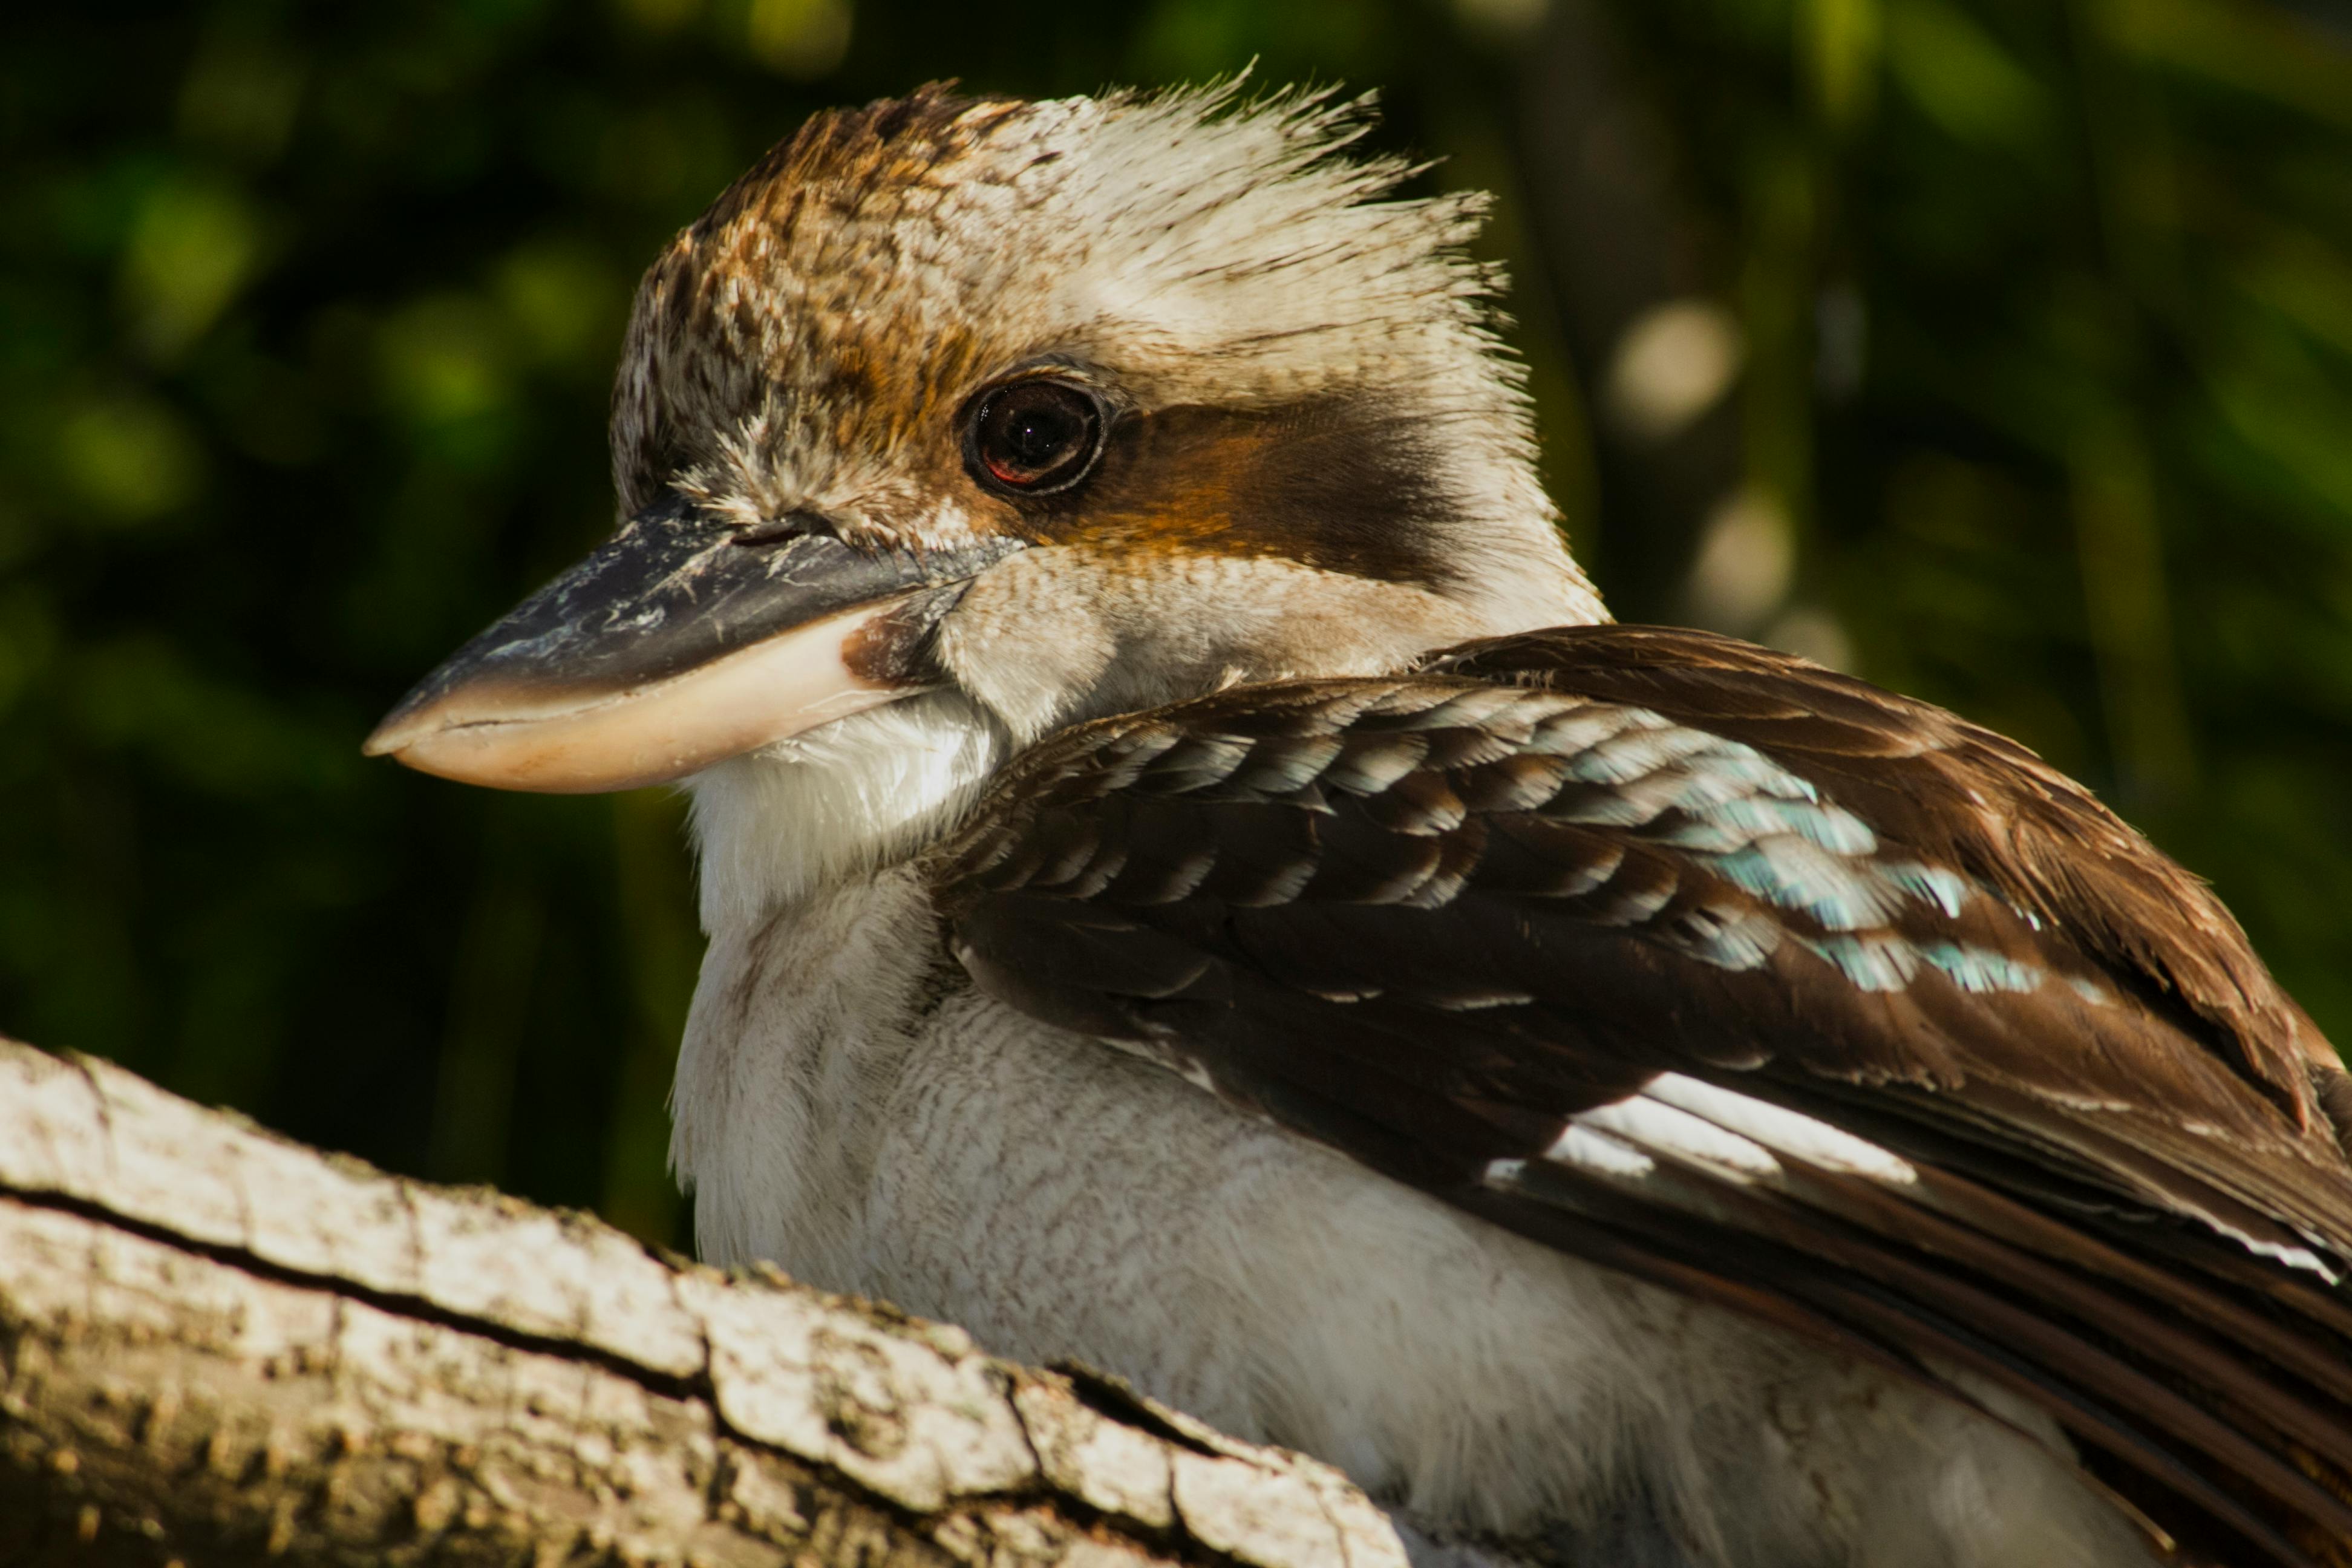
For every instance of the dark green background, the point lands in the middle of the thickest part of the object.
(307, 316)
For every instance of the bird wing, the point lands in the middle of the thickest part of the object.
(1718, 968)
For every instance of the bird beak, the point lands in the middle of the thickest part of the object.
(681, 642)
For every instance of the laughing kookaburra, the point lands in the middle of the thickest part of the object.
(1196, 885)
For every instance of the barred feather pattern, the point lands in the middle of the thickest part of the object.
(1712, 966)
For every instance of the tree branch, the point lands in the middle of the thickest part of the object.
(216, 1345)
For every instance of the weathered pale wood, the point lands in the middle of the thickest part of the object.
(220, 1347)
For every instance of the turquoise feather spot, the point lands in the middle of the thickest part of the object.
(1796, 874)
(1576, 731)
(1637, 753)
(1981, 969)
(1831, 828)
(1727, 939)
(1834, 828)
(1947, 890)
(1872, 963)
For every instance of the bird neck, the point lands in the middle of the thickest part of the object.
(779, 826)
(800, 1023)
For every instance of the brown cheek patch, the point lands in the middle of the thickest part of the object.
(1340, 484)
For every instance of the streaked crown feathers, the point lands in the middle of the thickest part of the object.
(815, 329)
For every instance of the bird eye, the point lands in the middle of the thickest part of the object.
(1033, 438)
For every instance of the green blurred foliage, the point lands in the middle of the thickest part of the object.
(307, 315)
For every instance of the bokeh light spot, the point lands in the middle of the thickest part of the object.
(128, 457)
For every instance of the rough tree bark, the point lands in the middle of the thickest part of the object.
(217, 1346)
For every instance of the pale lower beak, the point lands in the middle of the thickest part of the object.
(673, 646)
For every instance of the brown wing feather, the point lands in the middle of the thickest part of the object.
(1432, 917)
(1958, 791)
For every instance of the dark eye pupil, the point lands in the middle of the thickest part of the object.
(1037, 436)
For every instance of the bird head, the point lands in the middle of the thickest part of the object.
(955, 421)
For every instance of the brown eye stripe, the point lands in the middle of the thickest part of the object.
(1340, 484)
